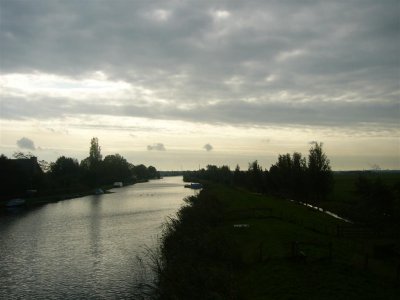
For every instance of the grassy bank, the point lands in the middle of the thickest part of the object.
(231, 244)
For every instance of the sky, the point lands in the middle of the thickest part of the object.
(182, 84)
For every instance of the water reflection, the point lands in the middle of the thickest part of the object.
(84, 248)
(94, 221)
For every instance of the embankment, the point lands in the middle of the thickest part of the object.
(230, 244)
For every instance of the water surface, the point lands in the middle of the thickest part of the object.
(84, 248)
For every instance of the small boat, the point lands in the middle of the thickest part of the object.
(118, 184)
(194, 186)
(15, 202)
(98, 191)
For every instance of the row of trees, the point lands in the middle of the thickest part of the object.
(66, 174)
(292, 176)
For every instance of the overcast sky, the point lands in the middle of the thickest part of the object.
(180, 84)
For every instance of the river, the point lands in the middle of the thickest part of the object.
(85, 248)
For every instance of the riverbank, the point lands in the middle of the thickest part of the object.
(51, 198)
(227, 243)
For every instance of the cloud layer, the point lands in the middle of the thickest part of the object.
(311, 63)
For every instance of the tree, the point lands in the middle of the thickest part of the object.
(65, 171)
(225, 175)
(287, 176)
(91, 166)
(140, 172)
(299, 176)
(237, 176)
(320, 173)
(255, 175)
(20, 174)
(22, 155)
(153, 173)
(95, 152)
(64, 165)
(116, 168)
(12, 179)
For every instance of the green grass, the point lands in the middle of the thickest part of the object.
(344, 200)
(256, 262)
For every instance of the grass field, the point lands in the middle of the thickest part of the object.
(344, 200)
(232, 244)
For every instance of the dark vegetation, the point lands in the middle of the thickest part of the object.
(26, 177)
(241, 238)
(229, 243)
(292, 176)
(367, 197)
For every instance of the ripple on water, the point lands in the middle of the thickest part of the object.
(84, 248)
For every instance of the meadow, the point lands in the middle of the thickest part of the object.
(229, 243)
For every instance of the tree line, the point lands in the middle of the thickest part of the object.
(309, 179)
(67, 174)
(292, 176)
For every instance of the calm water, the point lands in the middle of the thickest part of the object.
(84, 248)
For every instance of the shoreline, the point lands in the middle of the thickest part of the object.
(31, 202)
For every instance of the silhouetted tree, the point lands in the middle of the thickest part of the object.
(281, 175)
(320, 174)
(299, 176)
(140, 172)
(153, 173)
(12, 181)
(95, 156)
(91, 166)
(239, 177)
(115, 168)
(255, 176)
(20, 175)
(22, 155)
(65, 172)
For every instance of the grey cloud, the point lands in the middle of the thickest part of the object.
(316, 112)
(317, 49)
(26, 143)
(156, 147)
(208, 147)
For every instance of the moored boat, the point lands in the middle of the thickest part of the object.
(194, 186)
(15, 202)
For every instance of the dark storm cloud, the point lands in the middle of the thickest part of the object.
(251, 62)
